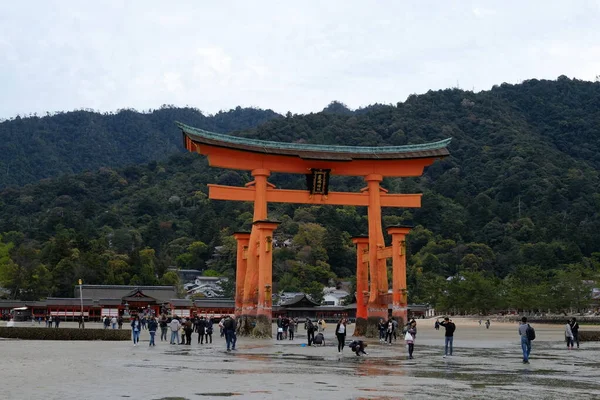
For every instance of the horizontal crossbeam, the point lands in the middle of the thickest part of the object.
(383, 253)
(220, 192)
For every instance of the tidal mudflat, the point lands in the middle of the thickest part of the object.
(486, 364)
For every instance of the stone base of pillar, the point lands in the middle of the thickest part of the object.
(263, 328)
(372, 331)
(376, 312)
(360, 327)
(246, 325)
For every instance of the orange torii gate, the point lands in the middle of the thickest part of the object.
(253, 299)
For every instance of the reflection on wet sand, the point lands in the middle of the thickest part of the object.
(487, 365)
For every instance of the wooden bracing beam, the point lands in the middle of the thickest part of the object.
(220, 192)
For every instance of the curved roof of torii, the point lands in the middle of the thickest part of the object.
(316, 151)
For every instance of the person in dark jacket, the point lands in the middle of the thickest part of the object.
(358, 346)
(201, 329)
(575, 329)
(340, 333)
(163, 323)
(310, 331)
(381, 327)
(136, 327)
(152, 326)
(188, 328)
(410, 336)
(448, 336)
(229, 329)
(208, 330)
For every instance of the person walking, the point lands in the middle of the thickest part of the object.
(575, 330)
(389, 331)
(410, 337)
(487, 324)
(136, 327)
(229, 328)
(188, 328)
(381, 327)
(113, 322)
(120, 322)
(437, 325)
(340, 332)
(310, 331)
(152, 326)
(569, 336)
(208, 330)
(525, 339)
(291, 329)
(201, 329)
(279, 328)
(163, 328)
(174, 326)
(448, 335)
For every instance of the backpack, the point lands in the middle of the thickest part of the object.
(530, 332)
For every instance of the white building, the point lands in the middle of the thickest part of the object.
(209, 286)
(333, 296)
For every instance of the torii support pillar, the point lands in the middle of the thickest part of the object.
(264, 309)
(242, 239)
(378, 305)
(399, 291)
(362, 284)
(250, 295)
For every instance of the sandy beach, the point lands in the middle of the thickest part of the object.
(486, 364)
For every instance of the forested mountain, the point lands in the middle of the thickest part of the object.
(34, 148)
(511, 217)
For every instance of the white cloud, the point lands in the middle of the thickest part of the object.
(280, 55)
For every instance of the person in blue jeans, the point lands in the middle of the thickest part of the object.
(152, 326)
(448, 336)
(136, 326)
(229, 328)
(525, 342)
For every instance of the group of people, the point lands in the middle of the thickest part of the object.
(286, 327)
(572, 333)
(113, 322)
(387, 330)
(182, 329)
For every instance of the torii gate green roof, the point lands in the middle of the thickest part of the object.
(316, 151)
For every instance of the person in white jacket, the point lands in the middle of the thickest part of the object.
(569, 336)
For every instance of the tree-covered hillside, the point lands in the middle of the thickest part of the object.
(34, 148)
(511, 217)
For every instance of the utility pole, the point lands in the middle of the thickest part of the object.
(81, 301)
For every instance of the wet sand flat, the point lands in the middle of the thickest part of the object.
(486, 364)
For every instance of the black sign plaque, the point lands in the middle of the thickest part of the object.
(318, 181)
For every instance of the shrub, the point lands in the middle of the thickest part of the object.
(589, 336)
(64, 334)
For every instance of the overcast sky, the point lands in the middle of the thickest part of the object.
(284, 55)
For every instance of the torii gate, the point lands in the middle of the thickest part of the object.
(253, 298)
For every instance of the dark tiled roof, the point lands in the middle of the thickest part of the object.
(215, 302)
(316, 151)
(301, 298)
(162, 294)
(180, 302)
(67, 301)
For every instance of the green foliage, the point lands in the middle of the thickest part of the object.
(513, 215)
